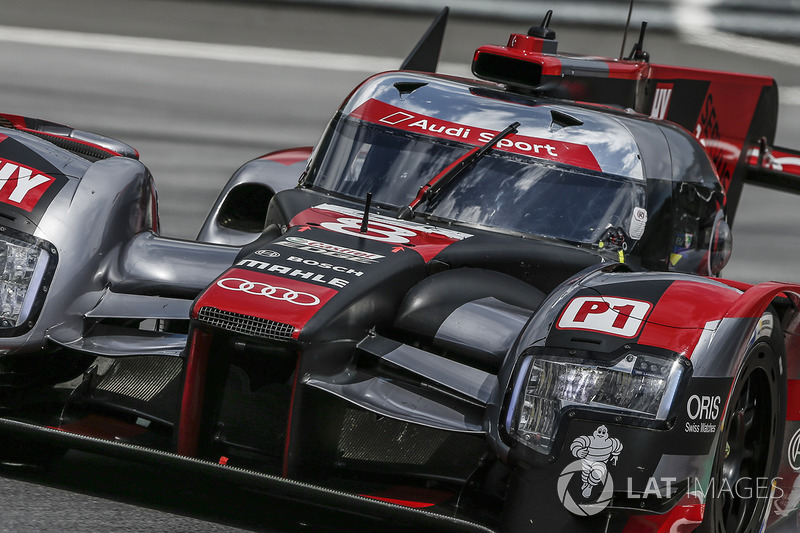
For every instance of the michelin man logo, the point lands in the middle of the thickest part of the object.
(593, 452)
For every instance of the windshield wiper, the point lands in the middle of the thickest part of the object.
(447, 176)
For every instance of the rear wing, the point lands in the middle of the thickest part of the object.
(734, 117)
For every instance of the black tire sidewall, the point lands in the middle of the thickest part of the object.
(767, 354)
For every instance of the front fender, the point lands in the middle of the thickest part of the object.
(604, 318)
(238, 215)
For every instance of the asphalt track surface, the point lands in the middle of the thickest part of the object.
(257, 78)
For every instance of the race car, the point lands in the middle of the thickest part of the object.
(488, 304)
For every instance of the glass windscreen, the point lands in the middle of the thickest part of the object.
(502, 190)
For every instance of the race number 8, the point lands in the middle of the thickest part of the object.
(376, 231)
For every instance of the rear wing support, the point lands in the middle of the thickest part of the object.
(774, 168)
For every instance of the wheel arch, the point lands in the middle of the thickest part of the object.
(761, 366)
(239, 213)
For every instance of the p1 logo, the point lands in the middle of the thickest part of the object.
(605, 314)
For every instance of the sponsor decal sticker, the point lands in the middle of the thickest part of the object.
(296, 273)
(267, 253)
(376, 231)
(396, 118)
(22, 186)
(424, 239)
(335, 268)
(330, 250)
(703, 411)
(270, 291)
(389, 230)
(661, 100)
(621, 317)
(763, 328)
(709, 133)
(261, 295)
(379, 112)
(794, 451)
(593, 492)
(638, 223)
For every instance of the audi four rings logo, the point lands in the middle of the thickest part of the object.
(270, 291)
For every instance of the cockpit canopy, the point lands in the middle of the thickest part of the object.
(569, 172)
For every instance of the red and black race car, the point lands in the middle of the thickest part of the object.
(475, 305)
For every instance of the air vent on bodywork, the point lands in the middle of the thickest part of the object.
(246, 325)
(245, 207)
(141, 378)
(532, 64)
(511, 70)
(367, 438)
(89, 151)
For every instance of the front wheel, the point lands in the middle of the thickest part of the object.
(748, 452)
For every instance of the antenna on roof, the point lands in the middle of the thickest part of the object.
(543, 31)
(625, 34)
(638, 53)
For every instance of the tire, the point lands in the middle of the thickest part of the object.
(748, 452)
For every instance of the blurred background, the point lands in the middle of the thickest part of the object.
(200, 87)
(775, 19)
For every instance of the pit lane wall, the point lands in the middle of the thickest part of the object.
(774, 19)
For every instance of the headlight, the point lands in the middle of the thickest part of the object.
(637, 384)
(24, 265)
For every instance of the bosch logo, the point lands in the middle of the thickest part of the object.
(270, 291)
(267, 253)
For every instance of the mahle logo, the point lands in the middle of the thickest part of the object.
(585, 486)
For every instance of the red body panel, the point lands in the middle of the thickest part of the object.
(22, 186)
(266, 296)
(678, 319)
(290, 156)
(427, 241)
(565, 152)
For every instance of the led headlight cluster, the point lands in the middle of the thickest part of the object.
(637, 385)
(22, 268)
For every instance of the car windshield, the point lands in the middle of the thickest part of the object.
(503, 190)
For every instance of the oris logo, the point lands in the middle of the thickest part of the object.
(703, 411)
(269, 291)
(703, 407)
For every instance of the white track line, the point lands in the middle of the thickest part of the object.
(208, 51)
(763, 49)
(708, 38)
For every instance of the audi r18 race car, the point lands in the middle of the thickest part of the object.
(477, 304)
